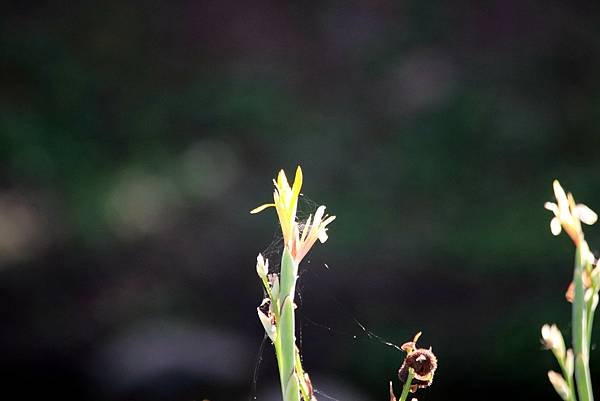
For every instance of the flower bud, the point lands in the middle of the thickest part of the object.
(273, 279)
(559, 384)
(553, 340)
(569, 363)
(262, 266)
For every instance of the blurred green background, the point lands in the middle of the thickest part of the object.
(135, 137)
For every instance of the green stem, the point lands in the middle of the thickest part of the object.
(277, 345)
(579, 323)
(406, 388)
(590, 317)
(303, 386)
(286, 335)
(572, 396)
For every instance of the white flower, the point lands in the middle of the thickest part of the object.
(314, 229)
(568, 215)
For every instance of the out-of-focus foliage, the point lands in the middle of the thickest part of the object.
(135, 138)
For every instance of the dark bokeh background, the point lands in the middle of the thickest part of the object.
(135, 137)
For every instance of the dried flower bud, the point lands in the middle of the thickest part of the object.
(262, 266)
(587, 283)
(552, 339)
(309, 387)
(424, 364)
(409, 346)
(267, 319)
(559, 384)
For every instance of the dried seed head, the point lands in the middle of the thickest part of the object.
(424, 364)
(409, 346)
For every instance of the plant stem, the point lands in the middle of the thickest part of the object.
(572, 396)
(286, 331)
(579, 323)
(590, 317)
(303, 386)
(406, 388)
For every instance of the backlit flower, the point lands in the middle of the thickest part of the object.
(568, 214)
(298, 237)
(314, 228)
(285, 201)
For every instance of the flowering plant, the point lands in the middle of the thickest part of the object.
(582, 293)
(276, 311)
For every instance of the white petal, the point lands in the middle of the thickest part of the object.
(306, 228)
(327, 220)
(559, 193)
(585, 214)
(319, 214)
(546, 332)
(323, 235)
(555, 226)
(553, 207)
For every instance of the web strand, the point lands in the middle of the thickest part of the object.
(259, 358)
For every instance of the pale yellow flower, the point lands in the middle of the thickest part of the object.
(285, 201)
(314, 228)
(299, 238)
(568, 214)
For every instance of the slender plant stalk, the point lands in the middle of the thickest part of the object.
(286, 357)
(406, 388)
(569, 378)
(580, 330)
(279, 320)
(568, 216)
(291, 373)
